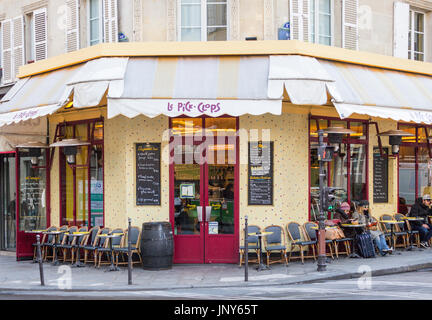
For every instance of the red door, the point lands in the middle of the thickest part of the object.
(204, 190)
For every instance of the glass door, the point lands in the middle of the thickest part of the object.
(203, 195)
(8, 202)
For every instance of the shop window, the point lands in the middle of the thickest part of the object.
(348, 169)
(81, 189)
(415, 165)
(321, 21)
(203, 20)
(416, 36)
(95, 22)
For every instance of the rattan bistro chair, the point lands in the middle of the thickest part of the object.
(101, 242)
(105, 248)
(42, 243)
(49, 244)
(406, 226)
(77, 242)
(67, 244)
(275, 242)
(90, 243)
(297, 238)
(252, 245)
(135, 236)
(403, 235)
(310, 229)
(61, 239)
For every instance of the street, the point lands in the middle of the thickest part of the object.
(404, 286)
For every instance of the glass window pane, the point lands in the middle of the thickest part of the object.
(410, 129)
(216, 15)
(358, 172)
(313, 126)
(338, 172)
(424, 171)
(191, 16)
(186, 126)
(325, 6)
(324, 25)
(360, 130)
(216, 34)
(419, 21)
(325, 40)
(94, 32)
(407, 175)
(96, 186)
(191, 34)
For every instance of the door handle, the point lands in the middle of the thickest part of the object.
(200, 213)
(208, 213)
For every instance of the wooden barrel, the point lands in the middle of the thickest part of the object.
(157, 245)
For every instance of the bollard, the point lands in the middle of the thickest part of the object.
(129, 253)
(39, 257)
(246, 250)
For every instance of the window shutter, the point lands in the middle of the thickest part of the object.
(350, 24)
(40, 34)
(299, 20)
(400, 29)
(110, 15)
(72, 26)
(18, 45)
(7, 63)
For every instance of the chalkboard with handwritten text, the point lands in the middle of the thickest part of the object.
(148, 174)
(380, 175)
(260, 175)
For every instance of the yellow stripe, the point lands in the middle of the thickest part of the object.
(228, 77)
(165, 78)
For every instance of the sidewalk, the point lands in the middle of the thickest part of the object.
(24, 275)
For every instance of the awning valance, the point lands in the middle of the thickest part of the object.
(194, 86)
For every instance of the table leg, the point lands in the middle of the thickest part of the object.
(112, 266)
(261, 265)
(55, 262)
(78, 262)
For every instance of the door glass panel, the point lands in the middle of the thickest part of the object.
(187, 182)
(81, 187)
(407, 175)
(358, 172)
(338, 173)
(96, 186)
(32, 194)
(424, 171)
(8, 203)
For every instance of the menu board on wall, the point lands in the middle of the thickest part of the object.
(260, 173)
(148, 175)
(380, 175)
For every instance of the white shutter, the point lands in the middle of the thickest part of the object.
(18, 44)
(350, 24)
(7, 61)
(400, 29)
(110, 20)
(72, 26)
(40, 34)
(299, 20)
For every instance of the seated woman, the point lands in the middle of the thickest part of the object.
(363, 217)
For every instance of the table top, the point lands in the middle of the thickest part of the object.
(35, 231)
(391, 221)
(55, 232)
(76, 234)
(265, 233)
(111, 235)
(327, 227)
(350, 225)
(413, 218)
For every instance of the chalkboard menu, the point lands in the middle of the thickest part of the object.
(148, 188)
(380, 175)
(260, 175)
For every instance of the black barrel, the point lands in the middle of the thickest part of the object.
(157, 245)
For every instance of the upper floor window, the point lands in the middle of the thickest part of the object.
(416, 34)
(320, 21)
(95, 22)
(203, 20)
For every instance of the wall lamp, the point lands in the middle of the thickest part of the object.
(34, 150)
(70, 148)
(395, 138)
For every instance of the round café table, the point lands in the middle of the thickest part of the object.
(78, 262)
(110, 237)
(260, 234)
(35, 232)
(56, 235)
(354, 226)
(407, 220)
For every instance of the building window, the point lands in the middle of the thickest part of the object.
(348, 169)
(81, 187)
(203, 20)
(95, 34)
(416, 35)
(415, 165)
(321, 21)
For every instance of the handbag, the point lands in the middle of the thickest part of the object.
(334, 233)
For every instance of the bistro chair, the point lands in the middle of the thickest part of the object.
(298, 239)
(275, 242)
(78, 241)
(101, 242)
(310, 229)
(105, 248)
(42, 243)
(397, 234)
(68, 243)
(49, 243)
(406, 226)
(253, 244)
(90, 243)
(135, 236)
(61, 239)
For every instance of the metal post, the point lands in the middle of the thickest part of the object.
(129, 253)
(246, 249)
(39, 257)
(321, 215)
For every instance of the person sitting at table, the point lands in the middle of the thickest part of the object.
(362, 215)
(343, 214)
(422, 209)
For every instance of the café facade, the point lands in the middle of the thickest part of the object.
(203, 135)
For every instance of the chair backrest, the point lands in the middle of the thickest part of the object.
(70, 240)
(400, 226)
(93, 233)
(117, 240)
(80, 239)
(310, 232)
(253, 229)
(277, 237)
(384, 217)
(102, 240)
(294, 231)
(62, 236)
(135, 234)
(50, 238)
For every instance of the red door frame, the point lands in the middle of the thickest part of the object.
(198, 248)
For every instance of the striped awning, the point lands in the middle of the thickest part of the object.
(193, 86)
